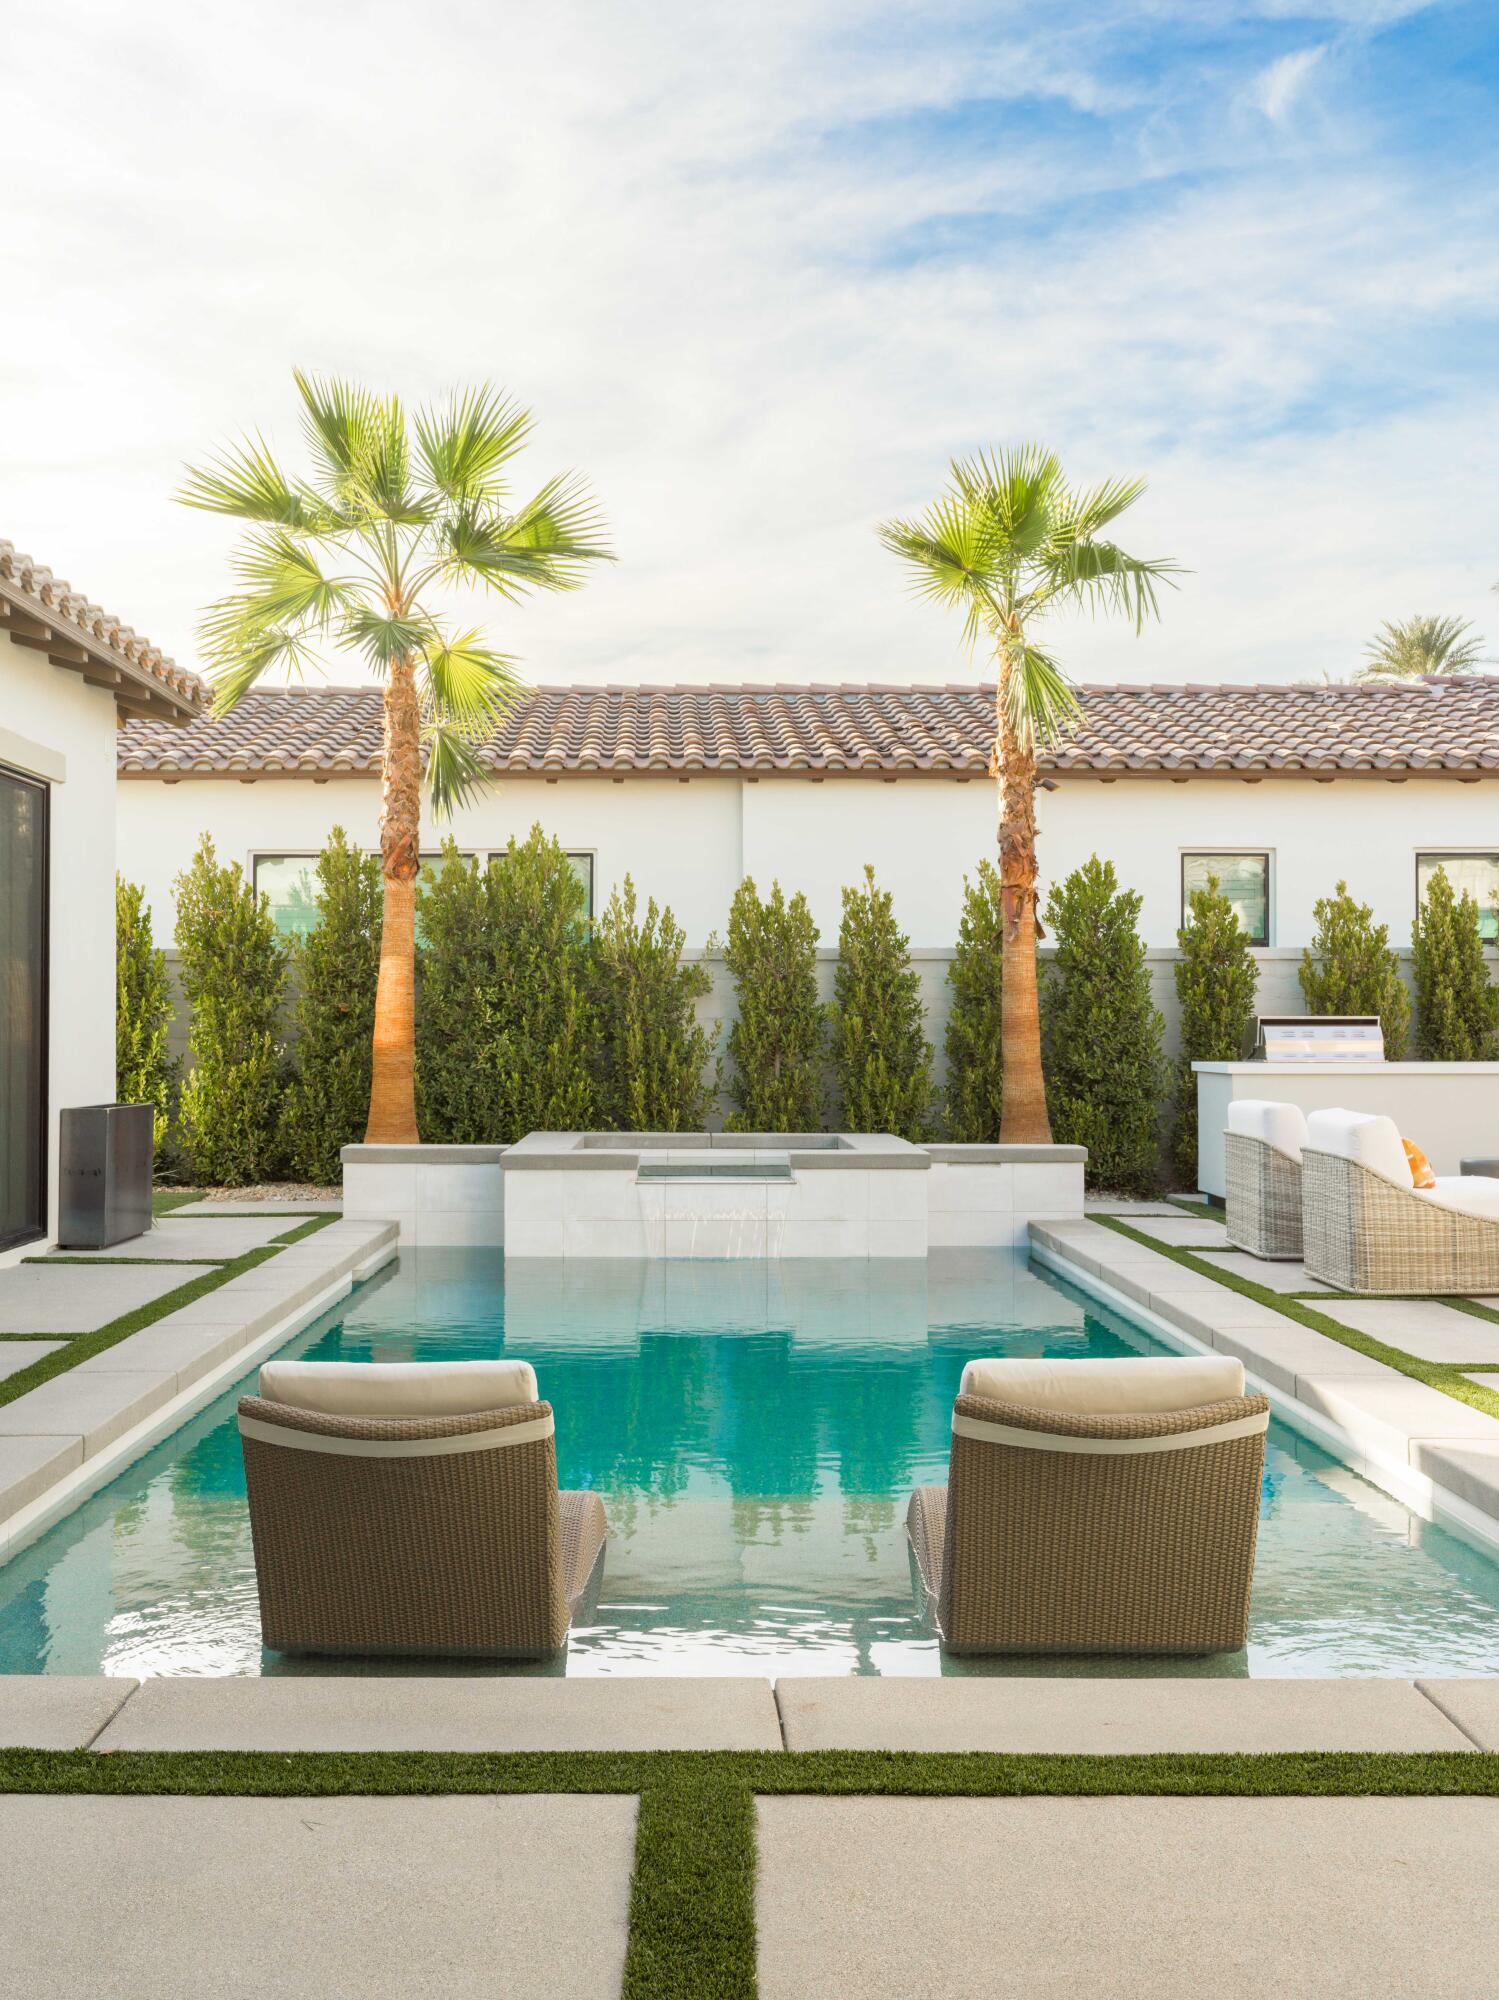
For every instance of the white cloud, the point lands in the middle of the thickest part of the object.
(1278, 86)
(683, 234)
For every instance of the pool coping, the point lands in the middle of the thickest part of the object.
(285, 1293)
(1368, 1414)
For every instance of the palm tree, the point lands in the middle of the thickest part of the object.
(356, 557)
(1008, 542)
(1421, 646)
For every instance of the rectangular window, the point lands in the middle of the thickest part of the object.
(1243, 878)
(23, 1009)
(1478, 874)
(290, 883)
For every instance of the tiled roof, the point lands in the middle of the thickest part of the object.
(40, 611)
(1434, 725)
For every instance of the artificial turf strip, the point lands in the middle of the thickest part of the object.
(692, 1891)
(83, 1346)
(164, 1200)
(1446, 1376)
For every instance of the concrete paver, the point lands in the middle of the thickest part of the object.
(1101, 1717)
(74, 1298)
(1422, 1327)
(1289, 1275)
(29, 1465)
(468, 1712)
(18, 1354)
(318, 1205)
(231, 1237)
(316, 1899)
(1240, 1898)
(188, 1351)
(96, 1407)
(57, 1711)
(1473, 1706)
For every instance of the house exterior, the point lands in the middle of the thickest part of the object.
(69, 674)
(1279, 790)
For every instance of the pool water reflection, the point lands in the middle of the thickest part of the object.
(754, 1430)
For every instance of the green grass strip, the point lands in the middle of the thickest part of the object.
(164, 1200)
(83, 1346)
(1447, 1377)
(692, 1890)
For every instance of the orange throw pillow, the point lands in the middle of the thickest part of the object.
(1420, 1166)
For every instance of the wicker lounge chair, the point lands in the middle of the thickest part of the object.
(1262, 1150)
(1368, 1228)
(413, 1509)
(1095, 1507)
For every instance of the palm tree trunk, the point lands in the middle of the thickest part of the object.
(1023, 1120)
(392, 1119)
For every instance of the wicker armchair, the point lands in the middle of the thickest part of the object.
(1102, 1529)
(438, 1532)
(1368, 1229)
(1262, 1153)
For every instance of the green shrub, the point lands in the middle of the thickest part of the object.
(233, 975)
(1101, 1032)
(455, 983)
(1216, 977)
(143, 1010)
(776, 1044)
(540, 1053)
(881, 1057)
(335, 967)
(1349, 968)
(974, 1097)
(655, 1074)
(1457, 1006)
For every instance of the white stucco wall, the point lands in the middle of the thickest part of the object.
(689, 844)
(59, 712)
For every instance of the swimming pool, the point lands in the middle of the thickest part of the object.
(754, 1429)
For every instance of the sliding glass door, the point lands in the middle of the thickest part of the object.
(23, 1009)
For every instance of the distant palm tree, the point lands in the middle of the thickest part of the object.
(355, 557)
(1008, 542)
(1419, 646)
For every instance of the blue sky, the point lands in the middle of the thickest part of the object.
(761, 272)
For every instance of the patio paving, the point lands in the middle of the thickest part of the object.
(1104, 1717)
(469, 1712)
(274, 1205)
(1187, 1232)
(1472, 1705)
(972, 1899)
(328, 1898)
(230, 1237)
(18, 1354)
(1422, 1327)
(57, 1711)
(1290, 1276)
(72, 1298)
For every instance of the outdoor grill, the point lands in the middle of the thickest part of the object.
(1336, 1038)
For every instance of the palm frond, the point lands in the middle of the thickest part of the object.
(1040, 701)
(382, 635)
(454, 771)
(244, 480)
(545, 545)
(466, 682)
(463, 447)
(1101, 576)
(1422, 645)
(359, 443)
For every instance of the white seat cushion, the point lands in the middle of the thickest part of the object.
(1282, 1126)
(1128, 1385)
(1365, 1137)
(398, 1388)
(1465, 1194)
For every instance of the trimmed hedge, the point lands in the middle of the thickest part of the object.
(335, 969)
(1457, 1005)
(881, 1057)
(1349, 968)
(776, 1044)
(1216, 977)
(974, 1096)
(656, 1056)
(144, 1072)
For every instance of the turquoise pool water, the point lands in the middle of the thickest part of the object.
(754, 1431)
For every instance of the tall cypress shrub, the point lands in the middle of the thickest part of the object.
(143, 1011)
(776, 1044)
(882, 1059)
(1457, 1005)
(334, 969)
(455, 985)
(1101, 1032)
(656, 1055)
(1216, 977)
(1349, 968)
(973, 1096)
(233, 975)
(540, 1055)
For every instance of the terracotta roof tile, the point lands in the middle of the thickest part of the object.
(1434, 725)
(30, 595)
